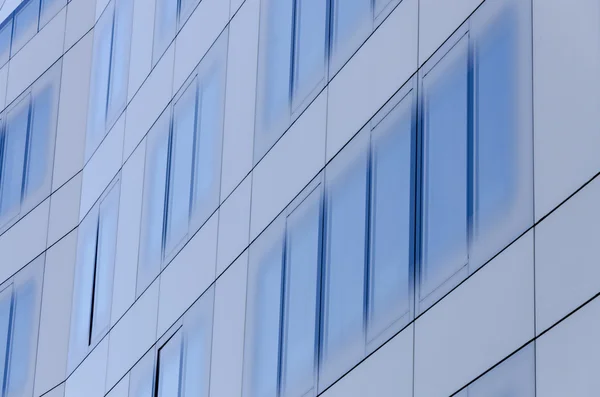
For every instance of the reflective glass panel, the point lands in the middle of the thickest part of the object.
(25, 23)
(169, 368)
(43, 124)
(6, 312)
(165, 26)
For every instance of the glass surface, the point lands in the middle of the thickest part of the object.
(514, 377)
(310, 46)
(6, 314)
(350, 21)
(301, 297)
(5, 40)
(14, 158)
(153, 213)
(197, 346)
(445, 169)
(344, 306)
(165, 26)
(264, 312)
(180, 167)
(141, 377)
(25, 23)
(391, 224)
(24, 338)
(105, 262)
(186, 7)
(119, 65)
(96, 120)
(49, 8)
(275, 69)
(207, 158)
(169, 368)
(380, 5)
(43, 124)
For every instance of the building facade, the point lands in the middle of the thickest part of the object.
(292, 198)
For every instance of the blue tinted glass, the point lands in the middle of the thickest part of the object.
(180, 171)
(42, 128)
(344, 307)
(497, 124)
(264, 310)
(185, 9)
(13, 162)
(49, 8)
(197, 347)
(24, 336)
(165, 25)
(301, 286)
(310, 50)
(391, 226)
(119, 65)
(141, 377)
(6, 309)
(277, 49)
(349, 17)
(207, 167)
(380, 5)
(25, 23)
(445, 169)
(5, 40)
(169, 367)
(154, 203)
(105, 262)
(96, 123)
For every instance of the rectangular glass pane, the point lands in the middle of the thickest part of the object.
(344, 292)
(153, 212)
(25, 23)
(13, 161)
(180, 167)
(5, 40)
(41, 148)
(169, 368)
(352, 21)
(96, 121)
(207, 167)
(301, 297)
(310, 46)
(197, 345)
(391, 218)
(119, 65)
(186, 7)
(165, 26)
(49, 8)
(445, 169)
(263, 313)
(105, 263)
(141, 377)
(6, 313)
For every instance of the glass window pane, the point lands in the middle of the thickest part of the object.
(96, 122)
(141, 378)
(344, 291)
(13, 162)
(301, 302)
(25, 23)
(310, 46)
(275, 70)
(186, 7)
(352, 21)
(165, 25)
(49, 8)
(207, 167)
(515, 377)
(180, 167)
(445, 169)
(198, 344)
(263, 317)
(119, 65)
(41, 148)
(5, 40)
(169, 368)
(153, 212)
(391, 220)
(6, 312)
(105, 262)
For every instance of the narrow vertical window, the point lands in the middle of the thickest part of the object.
(392, 192)
(310, 47)
(48, 9)
(352, 21)
(165, 26)
(303, 258)
(186, 7)
(169, 368)
(6, 315)
(5, 40)
(142, 376)
(26, 23)
(261, 369)
(446, 209)
(345, 249)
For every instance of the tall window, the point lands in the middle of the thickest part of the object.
(92, 299)
(110, 70)
(170, 15)
(476, 146)
(20, 301)
(27, 132)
